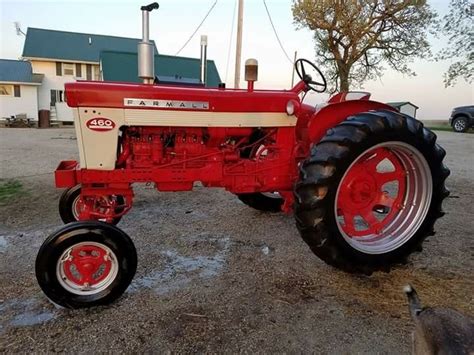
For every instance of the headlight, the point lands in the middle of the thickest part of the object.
(291, 107)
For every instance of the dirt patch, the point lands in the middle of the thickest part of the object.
(381, 292)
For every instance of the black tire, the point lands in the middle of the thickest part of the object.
(460, 125)
(262, 202)
(67, 201)
(103, 234)
(315, 213)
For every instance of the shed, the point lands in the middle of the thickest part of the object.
(18, 89)
(405, 107)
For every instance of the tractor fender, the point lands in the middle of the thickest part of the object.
(333, 114)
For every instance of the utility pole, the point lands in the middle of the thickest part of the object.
(293, 70)
(238, 49)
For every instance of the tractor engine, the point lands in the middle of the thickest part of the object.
(146, 147)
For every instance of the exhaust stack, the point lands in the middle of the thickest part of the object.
(203, 59)
(146, 53)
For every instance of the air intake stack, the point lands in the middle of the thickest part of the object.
(146, 51)
(203, 76)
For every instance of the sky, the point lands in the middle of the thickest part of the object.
(176, 20)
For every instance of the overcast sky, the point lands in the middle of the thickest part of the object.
(174, 22)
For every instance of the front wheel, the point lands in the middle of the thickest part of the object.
(86, 264)
(371, 191)
(72, 205)
(263, 201)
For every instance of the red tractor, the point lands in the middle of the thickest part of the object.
(365, 182)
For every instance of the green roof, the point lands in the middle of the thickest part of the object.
(122, 66)
(18, 71)
(83, 47)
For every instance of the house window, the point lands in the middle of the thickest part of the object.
(16, 90)
(6, 90)
(79, 70)
(59, 70)
(96, 73)
(57, 96)
(88, 72)
(68, 69)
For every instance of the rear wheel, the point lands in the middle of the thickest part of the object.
(371, 191)
(460, 125)
(71, 205)
(263, 201)
(86, 264)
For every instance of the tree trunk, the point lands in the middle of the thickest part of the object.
(344, 70)
(344, 80)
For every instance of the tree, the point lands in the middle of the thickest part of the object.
(458, 26)
(356, 38)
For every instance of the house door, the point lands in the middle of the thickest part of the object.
(53, 97)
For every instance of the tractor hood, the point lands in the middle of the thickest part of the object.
(136, 96)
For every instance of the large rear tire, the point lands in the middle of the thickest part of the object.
(371, 191)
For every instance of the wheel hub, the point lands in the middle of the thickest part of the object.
(460, 125)
(87, 267)
(103, 208)
(361, 191)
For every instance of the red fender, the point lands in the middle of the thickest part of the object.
(333, 114)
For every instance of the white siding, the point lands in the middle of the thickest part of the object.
(26, 103)
(64, 112)
(408, 110)
(51, 81)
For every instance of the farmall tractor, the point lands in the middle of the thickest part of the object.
(365, 182)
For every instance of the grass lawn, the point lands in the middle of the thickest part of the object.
(9, 189)
(446, 128)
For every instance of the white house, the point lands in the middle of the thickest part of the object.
(69, 56)
(64, 57)
(18, 89)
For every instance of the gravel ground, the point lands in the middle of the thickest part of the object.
(215, 275)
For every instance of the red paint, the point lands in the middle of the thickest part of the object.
(333, 114)
(174, 158)
(112, 95)
(362, 192)
(90, 263)
(100, 124)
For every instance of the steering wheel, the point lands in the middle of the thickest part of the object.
(312, 84)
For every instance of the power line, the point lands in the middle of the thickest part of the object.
(276, 34)
(230, 41)
(197, 29)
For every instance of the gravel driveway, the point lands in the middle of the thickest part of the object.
(215, 275)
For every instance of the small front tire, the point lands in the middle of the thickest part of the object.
(71, 204)
(86, 264)
(263, 201)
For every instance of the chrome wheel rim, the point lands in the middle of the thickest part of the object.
(403, 217)
(87, 274)
(459, 125)
(274, 195)
(77, 207)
